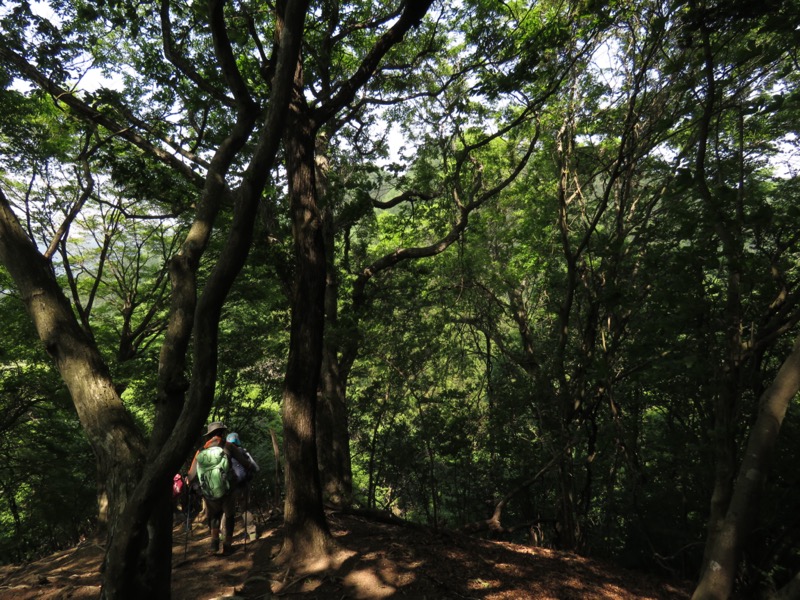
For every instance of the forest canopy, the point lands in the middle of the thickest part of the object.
(528, 270)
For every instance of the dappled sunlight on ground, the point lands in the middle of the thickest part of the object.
(378, 561)
(72, 573)
(377, 577)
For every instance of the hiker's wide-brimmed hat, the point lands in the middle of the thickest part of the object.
(215, 426)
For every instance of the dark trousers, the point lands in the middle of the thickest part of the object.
(222, 506)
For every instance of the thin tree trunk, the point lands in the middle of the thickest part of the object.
(276, 451)
(333, 435)
(726, 228)
(717, 580)
(724, 445)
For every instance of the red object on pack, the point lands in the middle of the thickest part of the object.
(177, 485)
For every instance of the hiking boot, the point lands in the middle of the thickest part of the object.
(214, 547)
(227, 549)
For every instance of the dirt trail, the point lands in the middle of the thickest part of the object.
(382, 561)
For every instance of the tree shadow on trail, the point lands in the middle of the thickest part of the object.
(391, 561)
(384, 561)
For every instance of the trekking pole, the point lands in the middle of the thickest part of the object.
(247, 516)
(260, 512)
(188, 509)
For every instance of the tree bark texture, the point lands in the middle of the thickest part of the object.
(112, 433)
(169, 451)
(307, 536)
(306, 529)
(717, 580)
(117, 443)
(138, 556)
(333, 435)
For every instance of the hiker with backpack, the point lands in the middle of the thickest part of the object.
(242, 480)
(242, 474)
(212, 472)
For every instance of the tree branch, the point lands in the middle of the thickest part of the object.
(88, 113)
(411, 16)
(177, 59)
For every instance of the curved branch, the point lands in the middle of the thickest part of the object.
(86, 192)
(444, 242)
(407, 196)
(361, 26)
(493, 523)
(411, 16)
(177, 59)
(226, 58)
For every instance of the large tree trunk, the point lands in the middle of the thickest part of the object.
(177, 429)
(331, 411)
(307, 535)
(117, 443)
(136, 498)
(307, 538)
(717, 580)
(140, 557)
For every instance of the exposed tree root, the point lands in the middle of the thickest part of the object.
(320, 560)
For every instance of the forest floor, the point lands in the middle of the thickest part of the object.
(380, 561)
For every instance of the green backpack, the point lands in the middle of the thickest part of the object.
(213, 472)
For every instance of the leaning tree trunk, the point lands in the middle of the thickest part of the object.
(117, 443)
(717, 580)
(138, 557)
(172, 438)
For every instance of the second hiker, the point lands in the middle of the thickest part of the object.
(213, 473)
